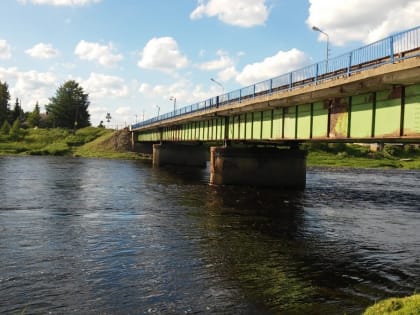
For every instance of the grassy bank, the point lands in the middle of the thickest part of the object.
(86, 142)
(396, 306)
(348, 155)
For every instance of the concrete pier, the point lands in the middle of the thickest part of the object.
(179, 154)
(265, 167)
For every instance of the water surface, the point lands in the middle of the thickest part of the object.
(119, 237)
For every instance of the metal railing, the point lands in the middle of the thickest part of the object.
(396, 47)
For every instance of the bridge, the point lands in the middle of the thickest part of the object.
(371, 94)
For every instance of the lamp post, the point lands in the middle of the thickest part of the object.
(219, 84)
(317, 29)
(173, 98)
(158, 110)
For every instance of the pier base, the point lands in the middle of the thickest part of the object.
(266, 167)
(179, 154)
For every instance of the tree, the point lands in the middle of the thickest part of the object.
(69, 107)
(17, 112)
(15, 130)
(5, 128)
(34, 118)
(4, 102)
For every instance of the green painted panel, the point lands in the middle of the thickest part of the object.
(277, 123)
(388, 112)
(361, 116)
(319, 120)
(290, 123)
(412, 111)
(242, 127)
(304, 121)
(235, 127)
(266, 131)
(221, 124)
(248, 126)
(256, 129)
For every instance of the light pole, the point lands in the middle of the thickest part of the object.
(219, 84)
(173, 98)
(317, 29)
(158, 110)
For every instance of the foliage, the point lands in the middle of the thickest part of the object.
(17, 112)
(5, 128)
(69, 107)
(15, 131)
(396, 306)
(4, 102)
(34, 118)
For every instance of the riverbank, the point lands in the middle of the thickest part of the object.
(105, 143)
(396, 306)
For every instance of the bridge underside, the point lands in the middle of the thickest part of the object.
(382, 105)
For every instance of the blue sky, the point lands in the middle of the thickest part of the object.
(132, 56)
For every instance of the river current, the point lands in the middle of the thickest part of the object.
(91, 236)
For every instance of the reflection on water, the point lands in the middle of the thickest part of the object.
(100, 236)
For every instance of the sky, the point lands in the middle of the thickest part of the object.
(135, 57)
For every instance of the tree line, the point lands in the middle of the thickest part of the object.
(68, 108)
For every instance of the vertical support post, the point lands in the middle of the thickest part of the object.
(402, 111)
(283, 122)
(349, 117)
(311, 121)
(296, 121)
(372, 134)
(272, 124)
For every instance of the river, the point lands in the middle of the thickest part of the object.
(90, 236)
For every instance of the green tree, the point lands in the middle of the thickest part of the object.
(34, 118)
(4, 102)
(17, 112)
(69, 107)
(14, 132)
(5, 128)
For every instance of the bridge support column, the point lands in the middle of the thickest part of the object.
(268, 167)
(179, 154)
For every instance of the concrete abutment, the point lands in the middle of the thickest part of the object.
(264, 167)
(179, 154)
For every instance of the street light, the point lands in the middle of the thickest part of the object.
(317, 29)
(158, 110)
(219, 84)
(173, 98)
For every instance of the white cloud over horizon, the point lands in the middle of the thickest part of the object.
(102, 54)
(242, 13)
(162, 54)
(280, 63)
(359, 20)
(42, 51)
(5, 49)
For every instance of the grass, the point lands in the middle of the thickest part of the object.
(396, 306)
(347, 155)
(84, 142)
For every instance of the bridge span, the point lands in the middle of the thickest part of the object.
(371, 94)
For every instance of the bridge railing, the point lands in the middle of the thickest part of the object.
(396, 47)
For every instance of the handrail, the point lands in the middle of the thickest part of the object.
(388, 50)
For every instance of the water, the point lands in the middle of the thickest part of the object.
(119, 237)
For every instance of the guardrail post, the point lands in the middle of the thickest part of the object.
(240, 95)
(349, 65)
(290, 80)
(391, 49)
(253, 92)
(316, 72)
(271, 86)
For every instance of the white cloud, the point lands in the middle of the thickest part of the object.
(162, 54)
(5, 50)
(185, 92)
(360, 20)
(102, 54)
(60, 2)
(243, 13)
(42, 51)
(100, 85)
(282, 62)
(29, 86)
(224, 61)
